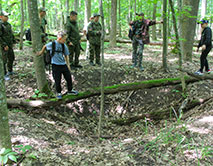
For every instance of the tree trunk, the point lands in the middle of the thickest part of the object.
(130, 11)
(37, 45)
(76, 5)
(113, 29)
(5, 140)
(176, 33)
(148, 84)
(0, 5)
(188, 26)
(178, 44)
(22, 26)
(154, 37)
(165, 35)
(119, 17)
(102, 70)
(135, 8)
(68, 7)
(87, 15)
(203, 8)
(43, 3)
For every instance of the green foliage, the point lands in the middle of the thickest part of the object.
(38, 95)
(7, 154)
(23, 149)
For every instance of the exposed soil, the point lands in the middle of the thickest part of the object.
(66, 135)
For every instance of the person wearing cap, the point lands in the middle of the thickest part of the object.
(85, 30)
(43, 23)
(94, 36)
(206, 46)
(140, 29)
(7, 40)
(73, 39)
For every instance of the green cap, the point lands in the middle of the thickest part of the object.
(42, 9)
(96, 14)
(3, 13)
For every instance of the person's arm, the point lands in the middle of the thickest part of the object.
(42, 51)
(68, 31)
(66, 57)
(2, 42)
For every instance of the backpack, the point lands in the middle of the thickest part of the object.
(28, 35)
(130, 34)
(48, 56)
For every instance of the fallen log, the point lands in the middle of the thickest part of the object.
(159, 115)
(201, 77)
(96, 92)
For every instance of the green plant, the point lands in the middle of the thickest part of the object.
(39, 95)
(23, 149)
(6, 154)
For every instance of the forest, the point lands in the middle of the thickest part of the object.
(136, 90)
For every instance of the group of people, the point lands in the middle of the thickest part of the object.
(67, 46)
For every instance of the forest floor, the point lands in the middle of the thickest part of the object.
(66, 135)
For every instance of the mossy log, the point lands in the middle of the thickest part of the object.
(159, 115)
(205, 76)
(96, 92)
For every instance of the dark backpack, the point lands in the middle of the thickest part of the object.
(48, 56)
(130, 34)
(28, 35)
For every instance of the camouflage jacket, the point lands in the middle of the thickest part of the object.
(94, 32)
(141, 29)
(72, 30)
(6, 35)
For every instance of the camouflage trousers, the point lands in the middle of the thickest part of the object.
(74, 54)
(137, 54)
(94, 50)
(8, 59)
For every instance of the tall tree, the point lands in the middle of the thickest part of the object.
(119, 17)
(22, 25)
(130, 11)
(87, 11)
(188, 26)
(102, 69)
(76, 5)
(0, 5)
(154, 37)
(37, 45)
(87, 15)
(165, 35)
(43, 3)
(68, 7)
(203, 8)
(5, 140)
(113, 29)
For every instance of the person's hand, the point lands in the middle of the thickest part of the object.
(39, 53)
(6, 48)
(70, 44)
(203, 47)
(197, 49)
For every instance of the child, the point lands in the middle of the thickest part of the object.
(60, 64)
(206, 45)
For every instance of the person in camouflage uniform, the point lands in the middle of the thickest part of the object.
(140, 29)
(7, 40)
(94, 36)
(73, 39)
(43, 23)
